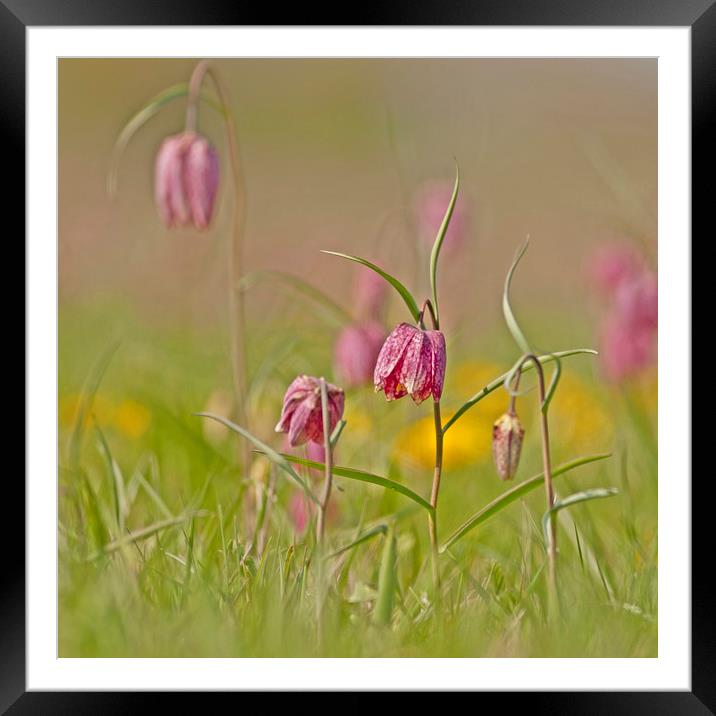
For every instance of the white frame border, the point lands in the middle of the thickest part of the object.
(672, 669)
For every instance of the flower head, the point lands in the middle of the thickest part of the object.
(302, 417)
(411, 362)
(507, 435)
(186, 178)
(356, 351)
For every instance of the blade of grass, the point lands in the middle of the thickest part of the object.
(364, 537)
(94, 379)
(506, 498)
(117, 481)
(143, 533)
(387, 580)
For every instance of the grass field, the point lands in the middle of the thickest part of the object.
(160, 553)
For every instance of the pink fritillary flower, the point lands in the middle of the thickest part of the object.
(411, 362)
(356, 352)
(301, 416)
(507, 437)
(626, 348)
(611, 266)
(186, 179)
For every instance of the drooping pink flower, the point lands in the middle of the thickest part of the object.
(629, 327)
(411, 362)
(370, 293)
(611, 265)
(356, 351)
(637, 300)
(626, 347)
(186, 179)
(507, 436)
(431, 202)
(301, 415)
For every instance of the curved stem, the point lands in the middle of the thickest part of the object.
(547, 465)
(323, 505)
(432, 516)
(237, 311)
(328, 465)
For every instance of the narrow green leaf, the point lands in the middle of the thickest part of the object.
(90, 388)
(336, 434)
(404, 293)
(189, 562)
(363, 537)
(437, 245)
(497, 382)
(507, 309)
(552, 385)
(117, 481)
(595, 494)
(387, 580)
(270, 453)
(143, 533)
(506, 498)
(363, 476)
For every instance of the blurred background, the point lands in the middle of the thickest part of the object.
(357, 156)
(334, 152)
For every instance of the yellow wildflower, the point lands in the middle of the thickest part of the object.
(132, 418)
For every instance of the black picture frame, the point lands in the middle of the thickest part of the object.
(699, 15)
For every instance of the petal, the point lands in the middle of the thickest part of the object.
(438, 360)
(392, 351)
(416, 369)
(168, 181)
(201, 180)
(393, 388)
(301, 424)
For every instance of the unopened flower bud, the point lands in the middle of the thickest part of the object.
(507, 434)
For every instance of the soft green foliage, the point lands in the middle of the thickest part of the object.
(189, 575)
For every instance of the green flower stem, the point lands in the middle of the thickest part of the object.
(328, 466)
(437, 472)
(237, 311)
(321, 521)
(432, 515)
(547, 469)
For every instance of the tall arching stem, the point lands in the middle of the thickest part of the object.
(237, 311)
